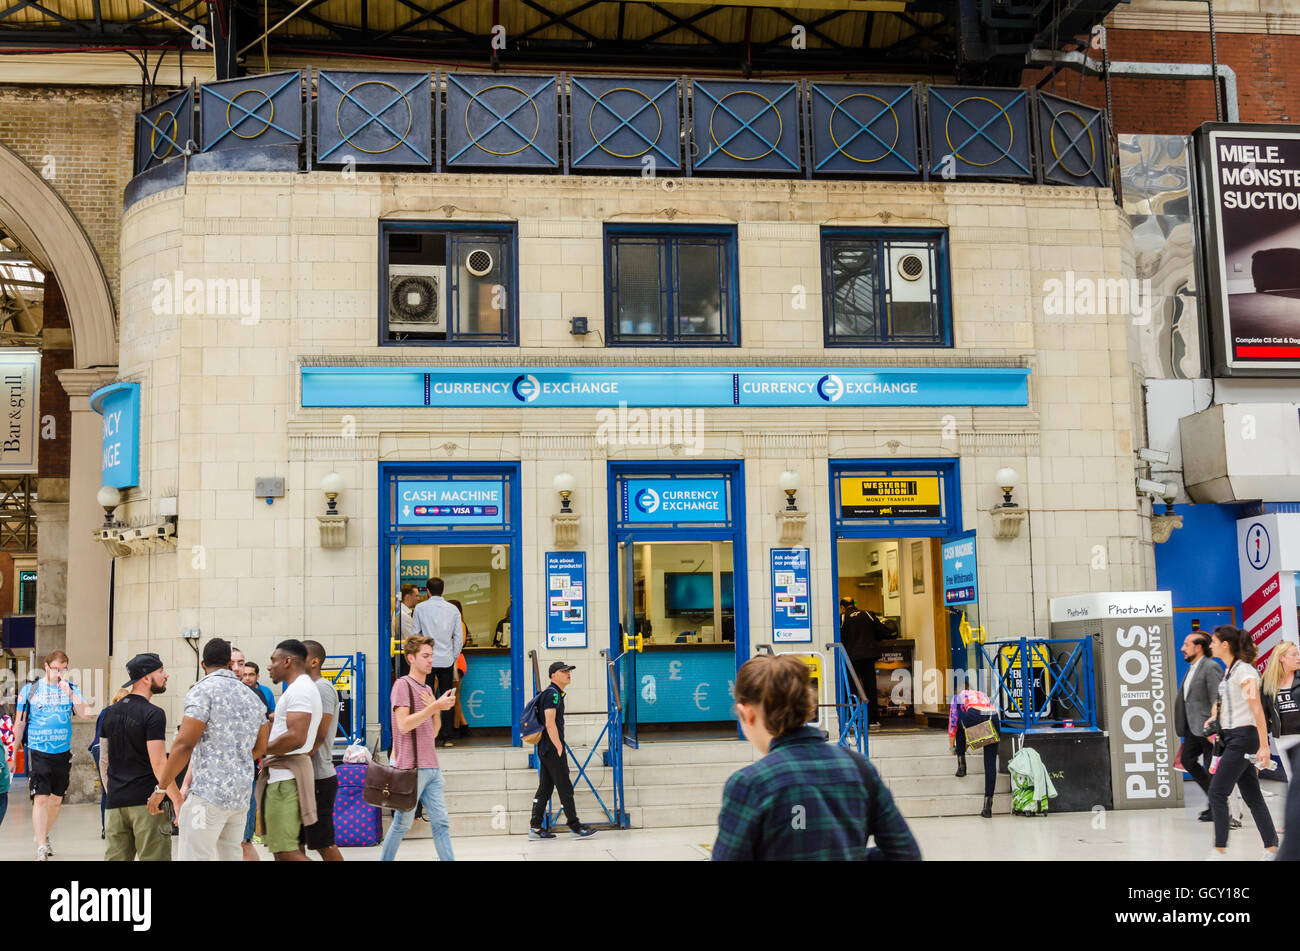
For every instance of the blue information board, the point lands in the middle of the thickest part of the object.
(119, 405)
(960, 578)
(446, 502)
(485, 690)
(674, 500)
(791, 596)
(566, 599)
(415, 572)
(684, 686)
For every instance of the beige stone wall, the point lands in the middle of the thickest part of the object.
(220, 396)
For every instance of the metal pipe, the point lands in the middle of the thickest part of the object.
(1149, 71)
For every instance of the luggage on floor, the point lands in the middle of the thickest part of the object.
(356, 822)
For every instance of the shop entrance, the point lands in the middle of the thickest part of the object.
(460, 525)
(679, 583)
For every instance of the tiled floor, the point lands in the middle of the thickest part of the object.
(1159, 834)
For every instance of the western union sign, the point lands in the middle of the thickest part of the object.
(889, 498)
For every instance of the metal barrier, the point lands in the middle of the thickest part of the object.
(616, 816)
(852, 713)
(1068, 696)
(347, 672)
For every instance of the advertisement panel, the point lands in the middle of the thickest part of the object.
(791, 596)
(916, 497)
(450, 502)
(1268, 598)
(566, 599)
(960, 575)
(21, 370)
(119, 405)
(674, 500)
(1250, 195)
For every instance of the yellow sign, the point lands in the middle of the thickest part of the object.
(889, 498)
(343, 681)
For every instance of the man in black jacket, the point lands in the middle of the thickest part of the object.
(860, 633)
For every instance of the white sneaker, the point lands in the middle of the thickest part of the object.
(1216, 856)
(43, 853)
(1268, 856)
(49, 844)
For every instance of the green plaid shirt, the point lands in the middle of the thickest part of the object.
(807, 800)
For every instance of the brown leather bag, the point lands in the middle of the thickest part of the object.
(396, 789)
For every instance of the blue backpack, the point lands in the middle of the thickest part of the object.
(531, 725)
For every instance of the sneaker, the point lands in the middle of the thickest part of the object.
(582, 832)
(1205, 817)
(1268, 856)
(1216, 856)
(535, 835)
(1234, 823)
(43, 853)
(49, 844)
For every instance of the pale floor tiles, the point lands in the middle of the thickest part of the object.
(1156, 834)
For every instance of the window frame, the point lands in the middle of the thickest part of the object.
(881, 237)
(729, 326)
(508, 229)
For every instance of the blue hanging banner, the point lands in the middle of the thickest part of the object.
(119, 405)
(451, 502)
(791, 596)
(674, 500)
(566, 599)
(960, 578)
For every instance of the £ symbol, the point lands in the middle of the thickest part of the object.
(675, 670)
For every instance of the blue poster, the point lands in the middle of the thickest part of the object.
(485, 689)
(415, 572)
(685, 686)
(451, 503)
(566, 599)
(674, 500)
(791, 596)
(119, 405)
(960, 581)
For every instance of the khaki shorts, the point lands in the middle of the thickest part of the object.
(283, 818)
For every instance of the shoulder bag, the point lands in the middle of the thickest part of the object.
(391, 788)
(981, 734)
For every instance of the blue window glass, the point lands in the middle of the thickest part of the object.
(886, 288)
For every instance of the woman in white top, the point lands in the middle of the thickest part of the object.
(1244, 734)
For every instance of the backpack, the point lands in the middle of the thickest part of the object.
(531, 726)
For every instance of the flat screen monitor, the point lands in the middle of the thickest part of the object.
(692, 593)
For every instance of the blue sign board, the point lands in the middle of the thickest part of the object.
(566, 599)
(415, 572)
(119, 405)
(485, 691)
(685, 686)
(960, 579)
(674, 500)
(451, 502)
(549, 387)
(791, 596)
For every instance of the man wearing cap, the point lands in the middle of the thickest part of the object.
(550, 751)
(132, 757)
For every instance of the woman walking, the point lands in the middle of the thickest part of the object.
(1244, 734)
(1281, 694)
(806, 798)
(969, 710)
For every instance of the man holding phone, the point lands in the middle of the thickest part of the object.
(45, 709)
(416, 716)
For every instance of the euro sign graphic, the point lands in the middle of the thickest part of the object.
(648, 688)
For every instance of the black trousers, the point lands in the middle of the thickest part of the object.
(865, 668)
(443, 677)
(1290, 851)
(1195, 755)
(1236, 768)
(972, 718)
(555, 778)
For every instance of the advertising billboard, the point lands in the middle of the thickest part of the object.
(1249, 181)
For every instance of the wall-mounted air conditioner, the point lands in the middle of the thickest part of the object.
(417, 298)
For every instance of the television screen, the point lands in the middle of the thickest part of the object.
(690, 593)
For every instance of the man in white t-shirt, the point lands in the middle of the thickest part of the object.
(293, 733)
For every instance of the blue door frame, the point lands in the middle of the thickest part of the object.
(894, 528)
(735, 473)
(510, 536)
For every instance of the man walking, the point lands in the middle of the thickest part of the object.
(436, 619)
(132, 758)
(45, 709)
(555, 767)
(859, 633)
(286, 790)
(1197, 694)
(224, 727)
(319, 836)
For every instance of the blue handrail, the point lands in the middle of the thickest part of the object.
(853, 719)
(350, 669)
(1071, 685)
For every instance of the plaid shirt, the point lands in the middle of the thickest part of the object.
(807, 800)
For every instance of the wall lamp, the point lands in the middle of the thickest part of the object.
(1007, 517)
(791, 520)
(110, 498)
(789, 481)
(333, 524)
(564, 523)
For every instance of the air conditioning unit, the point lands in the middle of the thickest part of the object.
(417, 298)
(909, 275)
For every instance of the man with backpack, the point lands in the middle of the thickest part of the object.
(548, 708)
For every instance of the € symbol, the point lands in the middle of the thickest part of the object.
(701, 693)
(475, 699)
(675, 670)
(648, 688)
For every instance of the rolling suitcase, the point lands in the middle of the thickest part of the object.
(356, 822)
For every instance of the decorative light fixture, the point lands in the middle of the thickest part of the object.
(1162, 526)
(789, 481)
(1008, 516)
(791, 520)
(564, 483)
(332, 485)
(564, 523)
(110, 498)
(333, 524)
(1007, 479)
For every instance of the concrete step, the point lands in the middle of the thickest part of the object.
(890, 767)
(717, 773)
(970, 784)
(669, 754)
(921, 807)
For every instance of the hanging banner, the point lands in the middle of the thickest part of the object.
(566, 599)
(890, 498)
(791, 596)
(21, 373)
(119, 405)
(1268, 597)
(960, 576)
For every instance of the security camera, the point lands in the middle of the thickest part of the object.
(1153, 455)
(1157, 490)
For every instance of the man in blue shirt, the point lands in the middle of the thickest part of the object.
(435, 617)
(45, 709)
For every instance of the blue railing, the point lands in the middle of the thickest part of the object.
(852, 711)
(347, 672)
(1041, 684)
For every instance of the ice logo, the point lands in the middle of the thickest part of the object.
(526, 388)
(647, 500)
(830, 388)
(648, 688)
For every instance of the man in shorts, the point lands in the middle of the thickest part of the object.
(293, 736)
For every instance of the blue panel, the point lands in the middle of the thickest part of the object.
(791, 596)
(658, 501)
(502, 121)
(251, 111)
(685, 686)
(485, 690)
(621, 123)
(162, 131)
(864, 129)
(960, 573)
(119, 405)
(363, 386)
(451, 502)
(977, 132)
(1071, 143)
(745, 127)
(566, 599)
(415, 572)
(374, 118)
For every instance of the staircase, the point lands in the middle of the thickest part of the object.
(679, 783)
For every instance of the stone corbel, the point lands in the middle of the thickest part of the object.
(1007, 520)
(792, 525)
(333, 531)
(564, 525)
(1162, 526)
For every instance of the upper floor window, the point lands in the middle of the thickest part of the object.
(886, 288)
(671, 286)
(448, 283)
